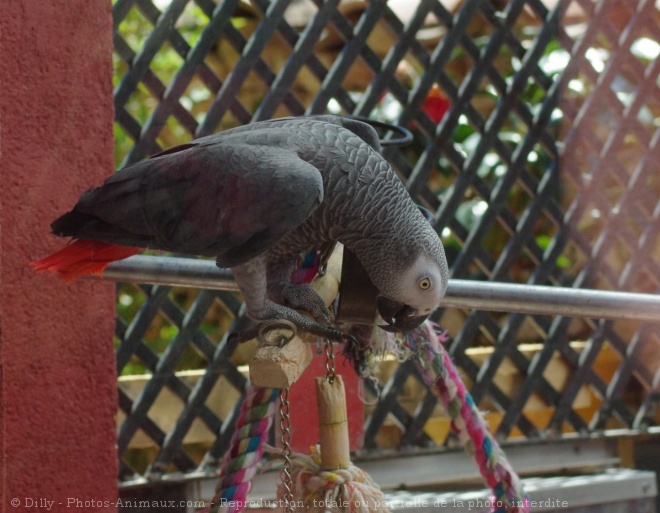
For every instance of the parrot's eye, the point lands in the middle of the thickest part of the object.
(424, 283)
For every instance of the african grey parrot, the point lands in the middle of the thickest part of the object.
(255, 197)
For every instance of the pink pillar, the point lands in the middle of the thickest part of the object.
(57, 367)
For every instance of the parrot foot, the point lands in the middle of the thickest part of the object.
(314, 328)
(322, 331)
(332, 334)
(304, 297)
(273, 311)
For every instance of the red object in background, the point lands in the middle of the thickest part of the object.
(304, 413)
(302, 394)
(436, 104)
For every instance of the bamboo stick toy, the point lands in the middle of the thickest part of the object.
(326, 481)
(333, 423)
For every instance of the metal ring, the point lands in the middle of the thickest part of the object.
(275, 324)
(406, 135)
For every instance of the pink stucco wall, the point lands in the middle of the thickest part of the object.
(57, 376)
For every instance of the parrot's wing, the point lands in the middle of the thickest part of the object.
(230, 201)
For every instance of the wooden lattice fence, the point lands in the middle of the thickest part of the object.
(536, 129)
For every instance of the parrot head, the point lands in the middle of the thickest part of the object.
(415, 294)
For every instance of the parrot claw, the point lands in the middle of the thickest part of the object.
(328, 332)
(304, 297)
(319, 330)
(245, 335)
(349, 339)
(275, 312)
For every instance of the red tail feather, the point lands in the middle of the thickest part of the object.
(83, 257)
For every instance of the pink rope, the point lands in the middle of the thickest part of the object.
(246, 449)
(439, 373)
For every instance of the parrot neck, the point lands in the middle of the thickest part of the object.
(380, 255)
(387, 253)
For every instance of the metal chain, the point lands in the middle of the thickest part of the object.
(285, 438)
(329, 361)
(285, 428)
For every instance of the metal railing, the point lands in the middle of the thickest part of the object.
(489, 296)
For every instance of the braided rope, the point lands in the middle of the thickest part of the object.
(246, 449)
(333, 491)
(439, 373)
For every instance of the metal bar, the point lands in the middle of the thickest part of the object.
(173, 271)
(477, 295)
(544, 300)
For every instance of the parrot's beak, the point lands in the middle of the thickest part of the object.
(398, 316)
